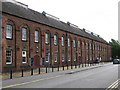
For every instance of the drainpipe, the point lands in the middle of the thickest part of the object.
(66, 49)
(15, 48)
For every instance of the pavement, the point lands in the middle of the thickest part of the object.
(99, 76)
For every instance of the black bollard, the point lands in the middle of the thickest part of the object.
(22, 73)
(39, 70)
(58, 68)
(52, 69)
(31, 72)
(46, 69)
(11, 74)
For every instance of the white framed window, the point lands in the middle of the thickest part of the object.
(24, 34)
(24, 56)
(68, 41)
(8, 56)
(46, 38)
(62, 38)
(83, 44)
(90, 57)
(56, 55)
(90, 46)
(55, 39)
(36, 36)
(47, 55)
(63, 57)
(93, 57)
(93, 46)
(74, 56)
(69, 56)
(74, 43)
(79, 43)
(98, 47)
(9, 31)
(87, 45)
(87, 57)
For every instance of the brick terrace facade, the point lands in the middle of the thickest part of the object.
(96, 49)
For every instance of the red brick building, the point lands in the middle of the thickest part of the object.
(32, 39)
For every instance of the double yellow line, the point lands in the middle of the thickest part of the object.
(32, 81)
(114, 85)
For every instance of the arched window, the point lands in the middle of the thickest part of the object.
(62, 40)
(75, 56)
(90, 46)
(56, 55)
(36, 36)
(79, 43)
(24, 34)
(46, 37)
(93, 46)
(86, 45)
(69, 56)
(47, 55)
(9, 32)
(63, 57)
(74, 43)
(55, 39)
(83, 44)
(68, 41)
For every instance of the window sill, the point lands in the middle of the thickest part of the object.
(8, 63)
(24, 62)
(55, 61)
(47, 61)
(24, 40)
(36, 42)
(9, 38)
(47, 43)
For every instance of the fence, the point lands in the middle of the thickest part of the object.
(41, 70)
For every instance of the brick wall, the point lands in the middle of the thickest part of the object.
(33, 49)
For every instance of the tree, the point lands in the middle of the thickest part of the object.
(115, 48)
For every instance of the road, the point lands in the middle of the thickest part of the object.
(101, 76)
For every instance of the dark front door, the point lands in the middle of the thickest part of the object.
(37, 60)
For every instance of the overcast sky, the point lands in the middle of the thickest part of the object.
(98, 16)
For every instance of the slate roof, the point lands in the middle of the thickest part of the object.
(27, 13)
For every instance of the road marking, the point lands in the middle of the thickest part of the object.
(116, 84)
(113, 85)
(32, 81)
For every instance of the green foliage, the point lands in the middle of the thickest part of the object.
(115, 48)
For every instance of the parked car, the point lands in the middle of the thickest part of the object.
(116, 61)
(97, 60)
